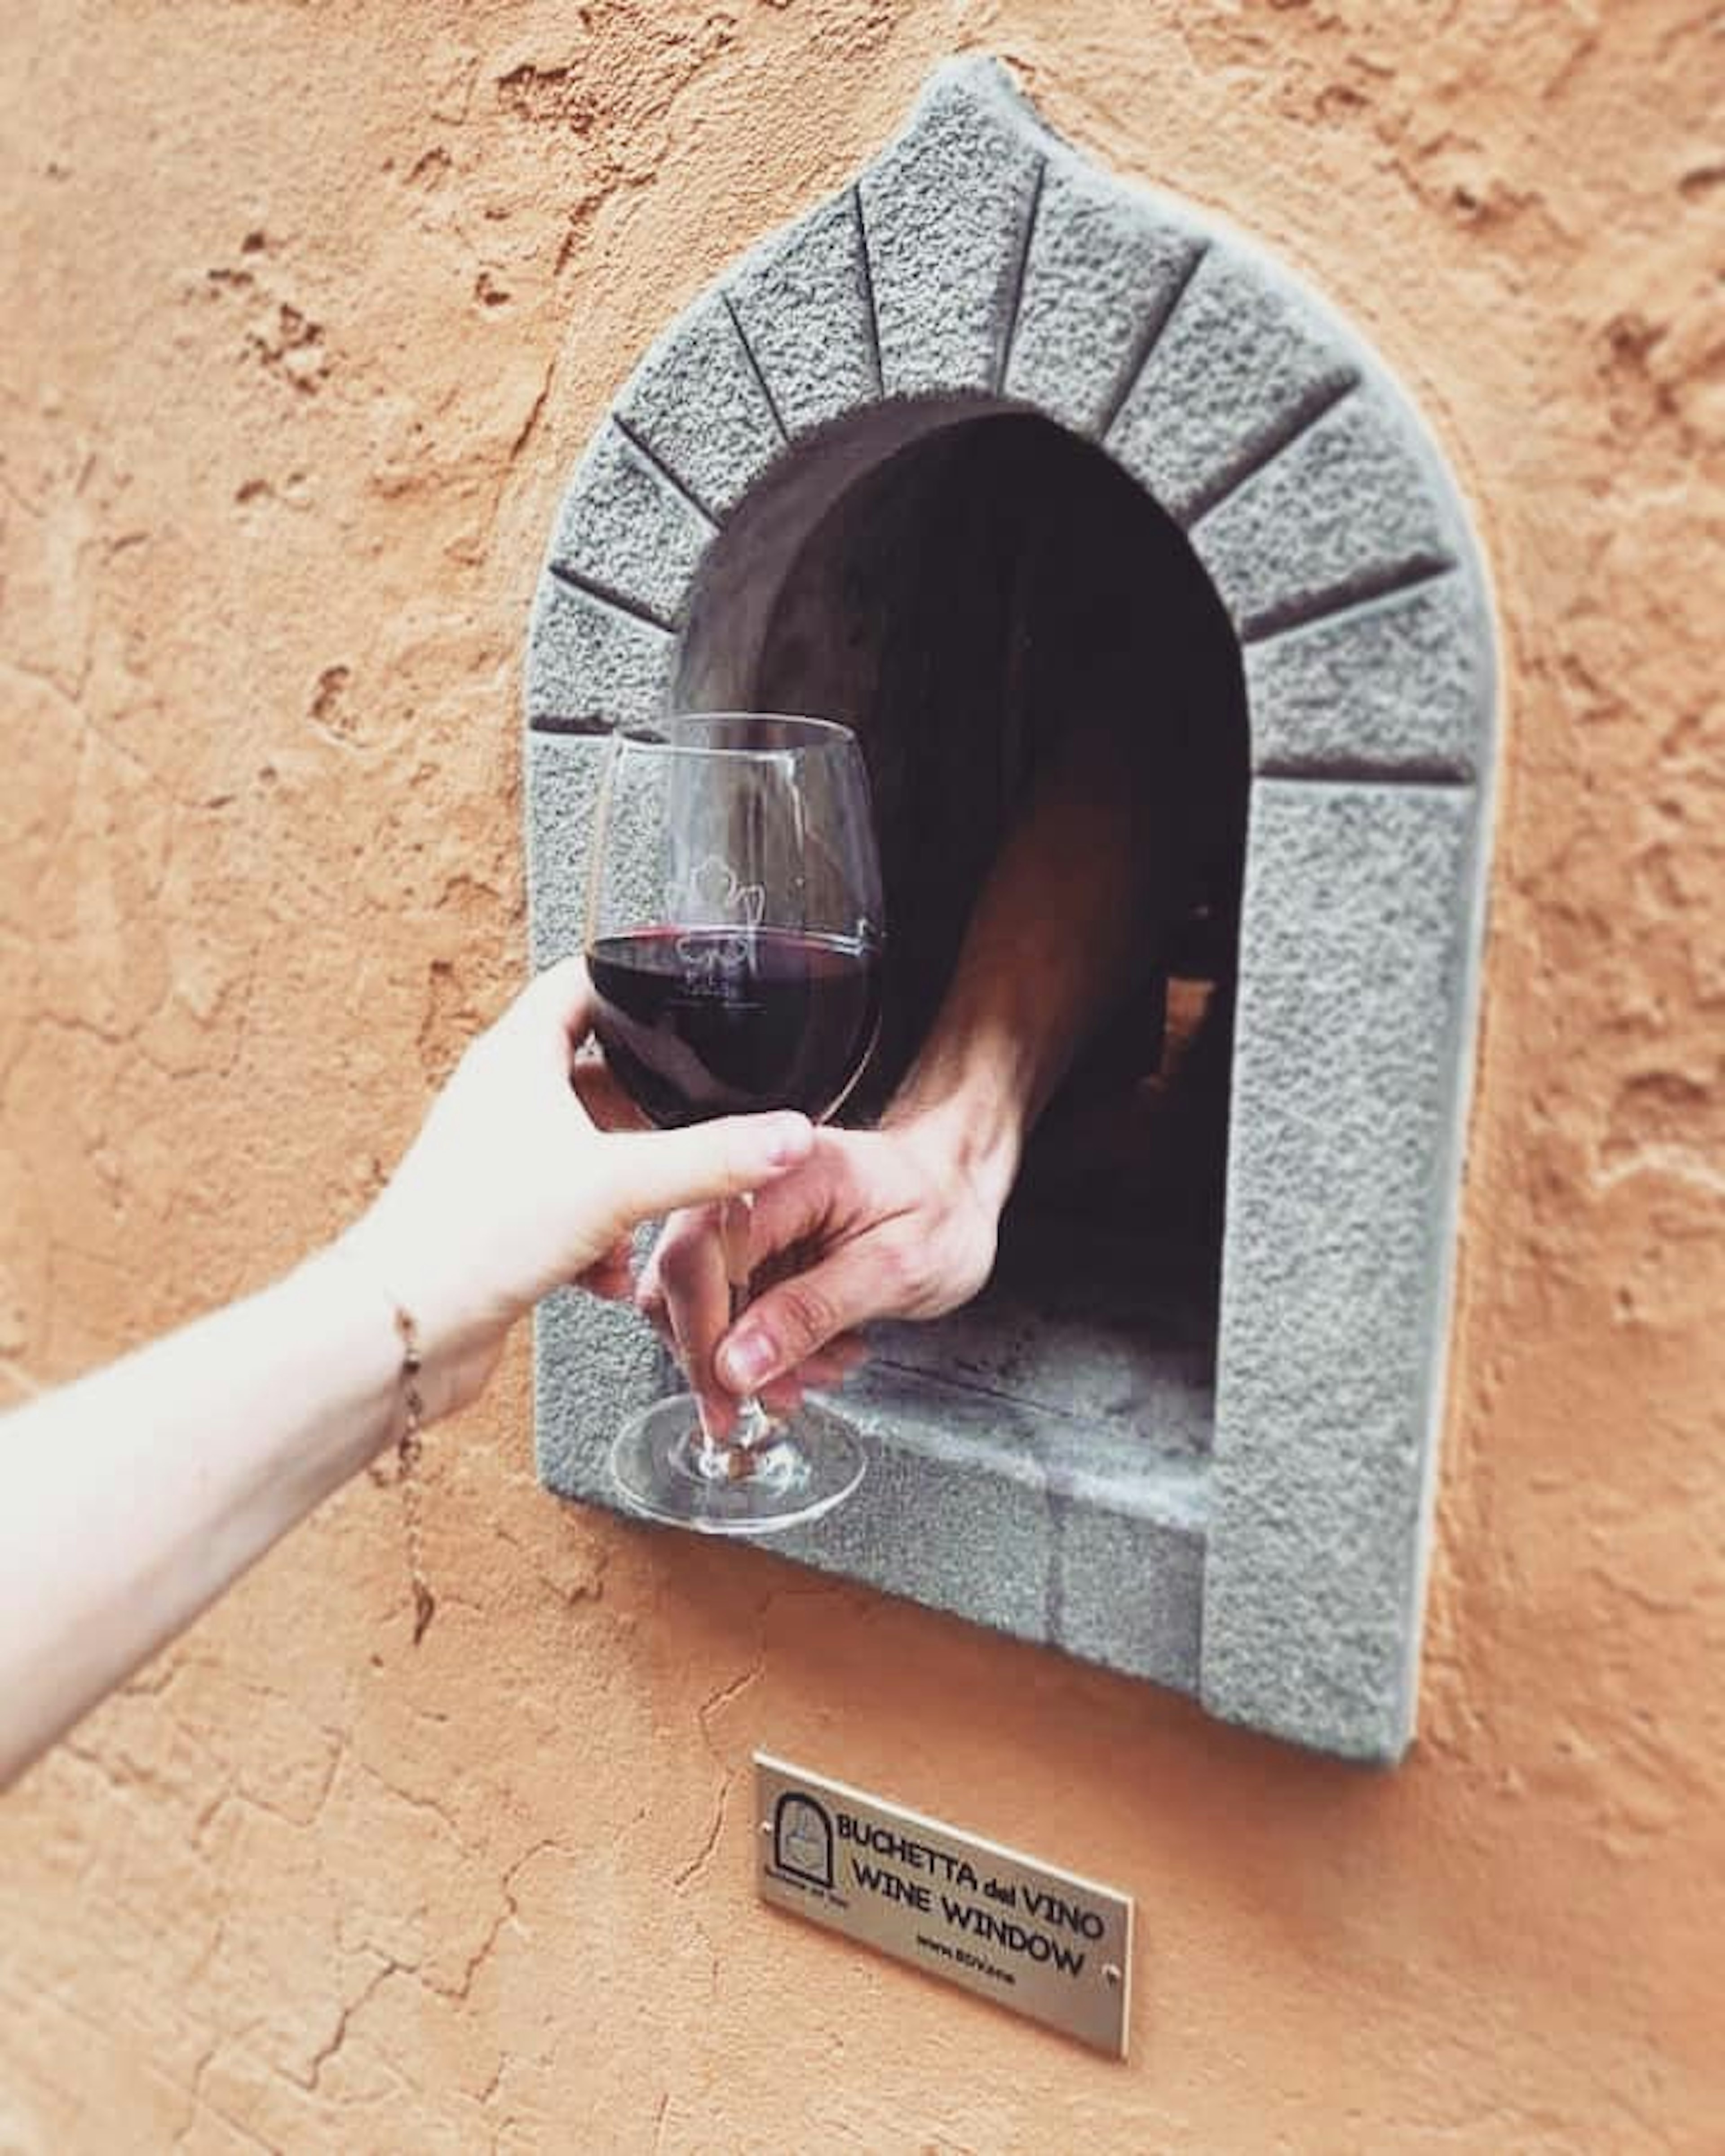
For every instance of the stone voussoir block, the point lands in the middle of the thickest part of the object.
(590, 663)
(1242, 358)
(802, 301)
(1345, 511)
(624, 530)
(1103, 269)
(947, 212)
(1402, 683)
(697, 403)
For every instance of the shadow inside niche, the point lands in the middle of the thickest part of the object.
(963, 599)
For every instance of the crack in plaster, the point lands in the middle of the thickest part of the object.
(390, 1967)
(414, 1802)
(535, 413)
(484, 2098)
(506, 1915)
(200, 2101)
(592, 1589)
(687, 1874)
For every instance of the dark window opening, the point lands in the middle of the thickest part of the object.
(972, 600)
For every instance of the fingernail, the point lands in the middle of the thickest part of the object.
(790, 1140)
(743, 1364)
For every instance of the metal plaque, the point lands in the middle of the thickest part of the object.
(1045, 1943)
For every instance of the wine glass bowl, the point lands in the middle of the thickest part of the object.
(734, 942)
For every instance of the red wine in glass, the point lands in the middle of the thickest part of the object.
(711, 1022)
(734, 941)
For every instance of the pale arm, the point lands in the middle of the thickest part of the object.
(130, 1499)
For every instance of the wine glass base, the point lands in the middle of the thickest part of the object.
(665, 1470)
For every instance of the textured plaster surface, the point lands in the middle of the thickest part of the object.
(306, 332)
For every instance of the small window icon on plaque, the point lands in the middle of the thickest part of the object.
(802, 1838)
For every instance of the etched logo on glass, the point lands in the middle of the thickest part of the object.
(712, 899)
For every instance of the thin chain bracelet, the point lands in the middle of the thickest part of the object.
(407, 1448)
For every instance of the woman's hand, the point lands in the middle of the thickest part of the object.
(894, 1223)
(521, 1181)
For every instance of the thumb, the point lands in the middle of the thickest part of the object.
(786, 1325)
(651, 1171)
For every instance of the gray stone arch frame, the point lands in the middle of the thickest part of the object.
(980, 263)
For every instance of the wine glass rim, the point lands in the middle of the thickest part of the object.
(659, 734)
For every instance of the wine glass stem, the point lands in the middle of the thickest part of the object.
(754, 1425)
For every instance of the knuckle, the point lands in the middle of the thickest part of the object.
(904, 1271)
(688, 1252)
(976, 1263)
(680, 1266)
(808, 1317)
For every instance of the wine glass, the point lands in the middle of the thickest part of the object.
(735, 939)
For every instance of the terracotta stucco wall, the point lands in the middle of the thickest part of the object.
(306, 312)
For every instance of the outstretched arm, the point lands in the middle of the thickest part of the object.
(130, 1500)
